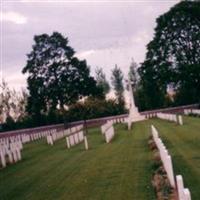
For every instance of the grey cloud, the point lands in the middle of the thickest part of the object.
(107, 28)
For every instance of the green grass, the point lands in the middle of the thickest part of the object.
(183, 143)
(120, 170)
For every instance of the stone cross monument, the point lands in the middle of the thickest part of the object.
(134, 115)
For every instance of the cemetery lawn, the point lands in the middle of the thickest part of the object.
(183, 143)
(120, 170)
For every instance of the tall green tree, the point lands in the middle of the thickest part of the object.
(56, 78)
(101, 80)
(174, 55)
(117, 82)
(153, 91)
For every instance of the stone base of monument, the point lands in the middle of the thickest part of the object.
(135, 116)
(138, 118)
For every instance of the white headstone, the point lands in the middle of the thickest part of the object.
(10, 158)
(15, 157)
(180, 120)
(86, 143)
(18, 152)
(76, 138)
(71, 140)
(68, 143)
(3, 160)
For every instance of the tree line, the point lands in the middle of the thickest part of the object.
(36, 106)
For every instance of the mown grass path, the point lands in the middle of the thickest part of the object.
(183, 143)
(120, 170)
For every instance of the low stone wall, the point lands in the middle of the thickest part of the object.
(96, 122)
(178, 109)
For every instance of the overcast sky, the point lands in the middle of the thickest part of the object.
(104, 33)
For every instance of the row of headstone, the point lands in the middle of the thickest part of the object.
(167, 163)
(25, 138)
(191, 111)
(52, 137)
(107, 130)
(150, 115)
(114, 121)
(40, 135)
(11, 146)
(10, 153)
(22, 138)
(171, 117)
(118, 120)
(165, 157)
(76, 138)
(183, 193)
